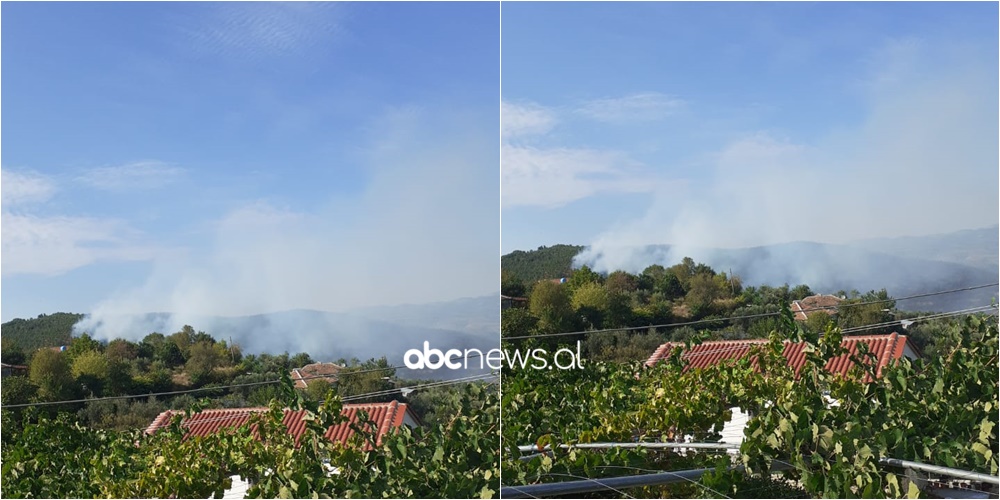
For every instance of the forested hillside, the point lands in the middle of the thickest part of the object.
(44, 331)
(544, 263)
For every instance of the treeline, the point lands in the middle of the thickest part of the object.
(44, 331)
(544, 263)
(682, 293)
(86, 368)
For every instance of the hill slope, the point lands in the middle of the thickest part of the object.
(47, 330)
(544, 263)
(825, 268)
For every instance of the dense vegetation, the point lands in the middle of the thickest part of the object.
(544, 263)
(941, 409)
(87, 448)
(47, 330)
(455, 457)
(685, 292)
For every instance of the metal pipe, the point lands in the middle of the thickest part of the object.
(710, 446)
(610, 483)
(944, 471)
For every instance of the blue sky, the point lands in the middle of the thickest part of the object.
(235, 158)
(736, 124)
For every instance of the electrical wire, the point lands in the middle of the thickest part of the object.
(172, 393)
(378, 393)
(749, 316)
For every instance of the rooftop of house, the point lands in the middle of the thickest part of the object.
(315, 371)
(815, 303)
(387, 416)
(887, 349)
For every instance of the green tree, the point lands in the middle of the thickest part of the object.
(702, 293)
(203, 359)
(511, 285)
(11, 353)
(90, 369)
(591, 301)
(517, 322)
(121, 349)
(82, 344)
(583, 276)
(318, 389)
(17, 390)
(50, 371)
(621, 282)
(299, 360)
(550, 303)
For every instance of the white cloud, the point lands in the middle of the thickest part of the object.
(554, 177)
(24, 188)
(525, 119)
(36, 242)
(133, 176)
(551, 176)
(55, 245)
(253, 30)
(640, 107)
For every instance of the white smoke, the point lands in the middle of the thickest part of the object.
(423, 230)
(923, 161)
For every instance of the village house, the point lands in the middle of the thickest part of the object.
(507, 302)
(302, 377)
(387, 416)
(813, 304)
(887, 349)
(9, 370)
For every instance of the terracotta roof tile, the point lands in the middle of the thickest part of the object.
(887, 348)
(815, 303)
(386, 416)
(315, 371)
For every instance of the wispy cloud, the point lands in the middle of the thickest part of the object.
(552, 176)
(36, 242)
(525, 119)
(26, 187)
(52, 245)
(132, 176)
(264, 29)
(639, 107)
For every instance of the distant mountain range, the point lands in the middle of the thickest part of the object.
(904, 266)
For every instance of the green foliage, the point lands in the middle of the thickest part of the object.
(50, 371)
(517, 322)
(511, 285)
(544, 263)
(11, 353)
(203, 358)
(941, 410)
(47, 330)
(90, 369)
(550, 303)
(17, 390)
(59, 458)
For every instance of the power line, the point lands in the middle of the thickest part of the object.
(749, 316)
(861, 328)
(185, 391)
(462, 380)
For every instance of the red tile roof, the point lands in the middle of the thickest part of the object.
(315, 371)
(887, 348)
(815, 303)
(387, 416)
